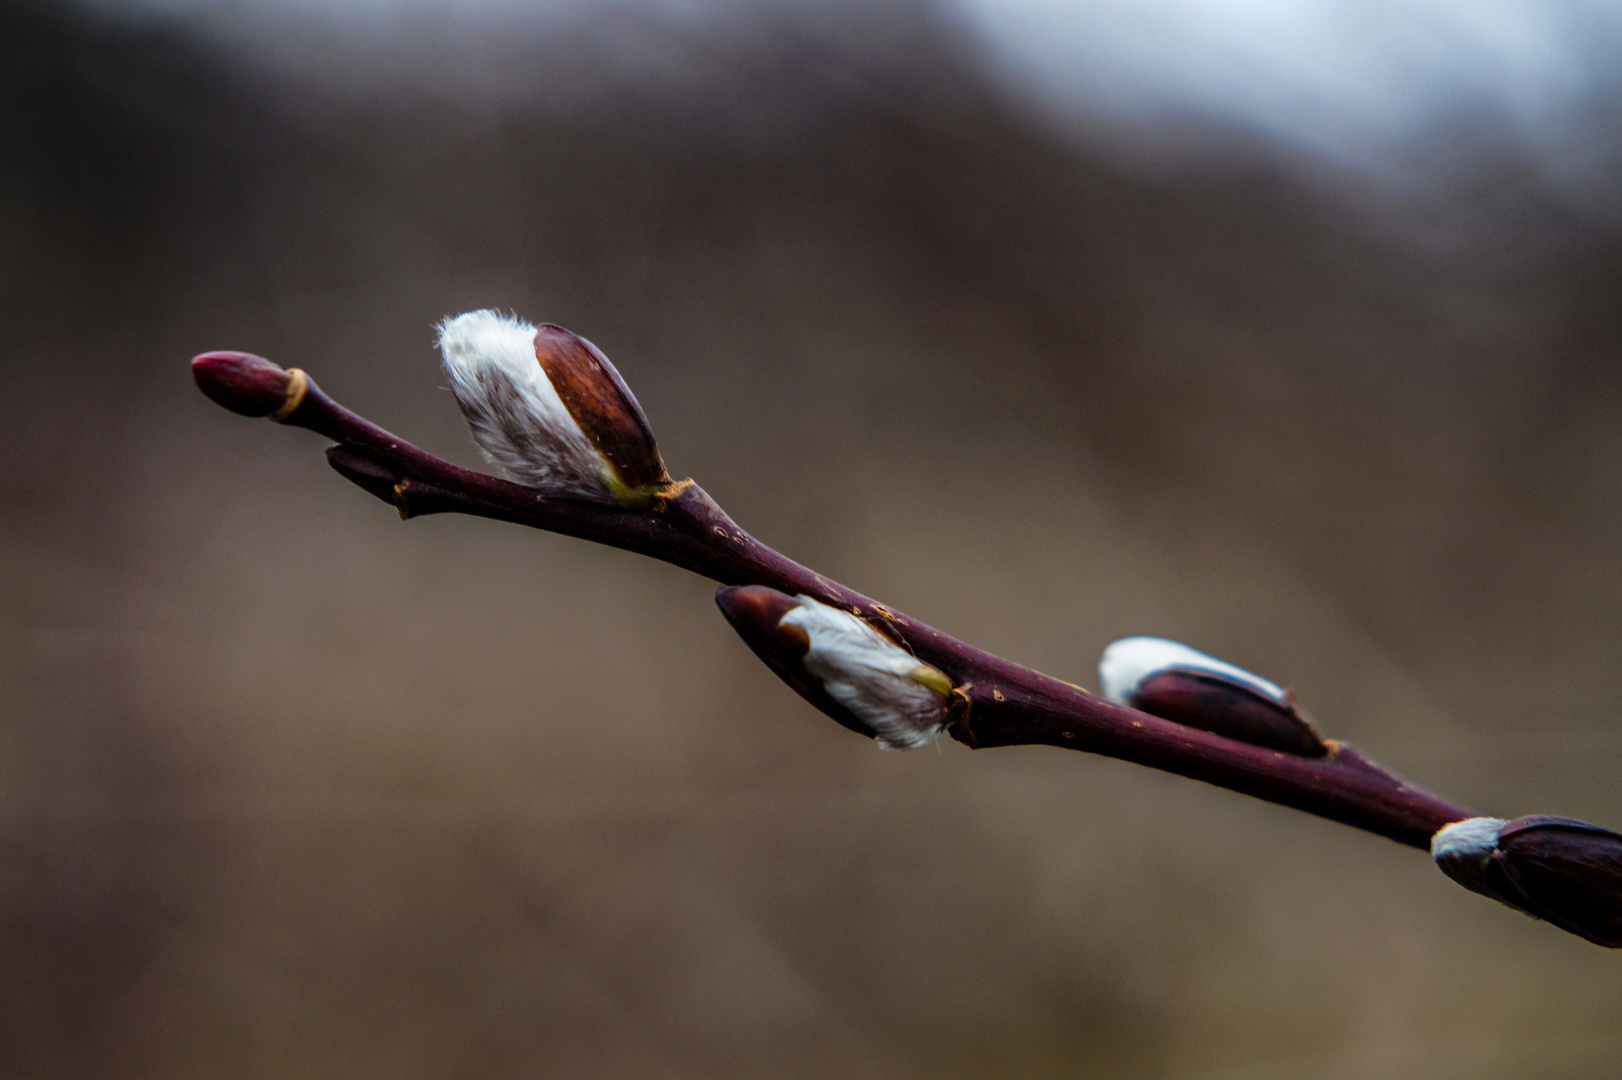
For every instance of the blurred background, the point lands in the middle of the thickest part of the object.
(1288, 329)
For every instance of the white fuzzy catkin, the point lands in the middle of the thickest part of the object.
(872, 676)
(1126, 663)
(516, 416)
(1462, 849)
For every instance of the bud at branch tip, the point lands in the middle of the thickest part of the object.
(1564, 871)
(250, 385)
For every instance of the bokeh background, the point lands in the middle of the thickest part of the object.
(1289, 329)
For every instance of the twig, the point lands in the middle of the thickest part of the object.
(992, 702)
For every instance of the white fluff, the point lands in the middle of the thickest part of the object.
(871, 676)
(1462, 849)
(515, 414)
(1127, 662)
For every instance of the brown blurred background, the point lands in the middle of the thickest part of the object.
(290, 788)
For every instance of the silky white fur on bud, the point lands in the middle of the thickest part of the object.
(1462, 849)
(904, 701)
(515, 413)
(1126, 663)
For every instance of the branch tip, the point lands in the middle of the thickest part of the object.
(1561, 870)
(249, 385)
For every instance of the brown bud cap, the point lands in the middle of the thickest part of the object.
(755, 612)
(602, 405)
(1215, 703)
(249, 385)
(1564, 871)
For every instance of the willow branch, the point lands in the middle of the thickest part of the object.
(583, 434)
(1002, 703)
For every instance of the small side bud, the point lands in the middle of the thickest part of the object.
(249, 385)
(1174, 682)
(550, 410)
(1561, 870)
(842, 665)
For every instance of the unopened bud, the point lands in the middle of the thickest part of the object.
(1564, 871)
(549, 409)
(249, 385)
(1174, 682)
(842, 665)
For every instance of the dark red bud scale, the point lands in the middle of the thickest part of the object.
(1224, 706)
(1564, 871)
(248, 385)
(602, 405)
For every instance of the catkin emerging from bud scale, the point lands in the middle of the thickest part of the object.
(1564, 871)
(842, 665)
(549, 409)
(1174, 682)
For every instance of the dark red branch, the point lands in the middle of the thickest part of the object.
(1004, 704)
